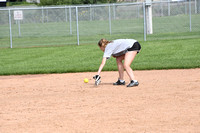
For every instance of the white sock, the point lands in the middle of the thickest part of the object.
(121, 80)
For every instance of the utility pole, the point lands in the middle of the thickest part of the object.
(148, 10)
(198, 6)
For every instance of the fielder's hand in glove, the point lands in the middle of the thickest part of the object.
(97, 79)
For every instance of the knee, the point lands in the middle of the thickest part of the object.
(118, 60)
(126, 66)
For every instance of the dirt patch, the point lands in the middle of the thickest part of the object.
(166, 101)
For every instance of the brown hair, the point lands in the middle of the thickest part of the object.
(103, 42)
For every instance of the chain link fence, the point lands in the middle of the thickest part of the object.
(86, 24)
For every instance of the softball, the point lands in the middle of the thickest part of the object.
(86, 80)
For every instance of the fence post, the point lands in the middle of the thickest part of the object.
(47, 15)
(77, 30)
(195, 6)
(10, 28)
(198, 6)
(148, 17)
(19, 29)
(144, 15)
(66, 13)
(161, 7)
(185, 8)
(70, 21)
(42, 14)
(90, 12)
(190, 15)
(110, 20)
(169, 8)
(114, 15)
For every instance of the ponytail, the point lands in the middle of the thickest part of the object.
(103, 42)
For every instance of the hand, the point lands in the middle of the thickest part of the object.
(97, 79)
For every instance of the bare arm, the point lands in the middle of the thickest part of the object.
(102, 65)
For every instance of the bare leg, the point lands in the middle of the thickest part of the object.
(128, 59)
(120, 66)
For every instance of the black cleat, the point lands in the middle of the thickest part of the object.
(97, 79)
(133, 83)
(119, 83)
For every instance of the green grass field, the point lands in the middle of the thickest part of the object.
(49, 47)
(58, 33)
(156, 54)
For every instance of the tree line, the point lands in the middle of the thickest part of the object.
(71, 2)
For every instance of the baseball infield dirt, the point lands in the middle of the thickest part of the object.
(166, 101)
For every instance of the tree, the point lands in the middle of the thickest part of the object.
(70, 2)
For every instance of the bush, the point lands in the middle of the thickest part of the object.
(71, 2)
(23, 3)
